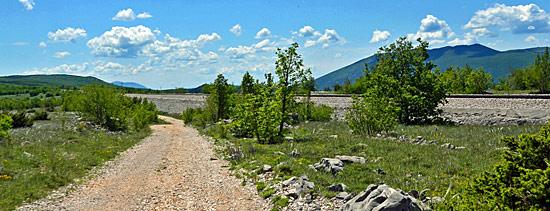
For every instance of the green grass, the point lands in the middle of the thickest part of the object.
(58, 156)
(407, 166)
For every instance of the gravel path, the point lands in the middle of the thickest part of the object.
(173, 169)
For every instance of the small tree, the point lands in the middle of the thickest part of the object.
(247, 84)
(5, 126)
(221, 96)
(289, 70)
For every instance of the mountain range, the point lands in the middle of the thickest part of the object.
(129, 85)
(493, 61)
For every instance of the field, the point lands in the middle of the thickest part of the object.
(54, 153)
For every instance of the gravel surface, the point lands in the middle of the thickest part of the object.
(476, 111)
(173, 169)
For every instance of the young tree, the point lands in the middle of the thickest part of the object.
(541, 71)
(412, 85)
(221, 96)
(247, 84)
(289, 70)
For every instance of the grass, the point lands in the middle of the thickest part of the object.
(48, 155)
(407, 166)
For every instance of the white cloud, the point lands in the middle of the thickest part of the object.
(308, 31)
(241, 52)
(61, 54)
(29, 4)
(329, 37)
(379, 36)
(144, 15)
(519, 19)
(64, 68)
(338, 55)
(264, 33)
(494, 43)
(484, 32)
(67, 35)
(172, 51)
(42, 44)
(121, 42)
(469, 38)
(532, 40)
(432, 28)
(237, 30)
(125, 15)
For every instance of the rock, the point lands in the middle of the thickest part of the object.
(460, 148)
(279, 153)
(226, 121)
(304, 185)
(331, 165)
(289, 182)
(351, 159)
(338, 187)
(267, 168)
(333, 136)
(289, 138)
(380, 171)
(281, 164)
(436, 200)
(29, 155)
(344, 196)
(414, 193)
(450, 146)
(294, 153)
(383, 197)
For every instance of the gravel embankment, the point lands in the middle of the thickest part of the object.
(479, 111)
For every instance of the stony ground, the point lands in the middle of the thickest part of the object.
(482, 111)
(173, 169)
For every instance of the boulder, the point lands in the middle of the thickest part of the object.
(294, 153)
(302, 186)
(351, 159)
(331, 165)
(383, 197)
(344, 196)
(288, 182)
(338, 188)
(267, 168)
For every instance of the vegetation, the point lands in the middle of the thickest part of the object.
(535, 76)
(370, 115)
(466, 80)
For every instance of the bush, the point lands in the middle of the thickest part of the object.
(20, 119)
(370, 115)
(312, 112)
(5, 126)
(40, 115)
(521, 181)
(188, 115)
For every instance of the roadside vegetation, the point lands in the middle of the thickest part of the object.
(266, 124)
(49, 147)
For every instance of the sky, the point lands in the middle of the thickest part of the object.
(185, 43)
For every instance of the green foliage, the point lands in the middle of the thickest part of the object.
(247, 84)
(466, 80)
(260, 186)
(220, 96)
(314, 112)
(370, 115)
(108, 107)
(20, 119)
(188, 115)
(40, 115)
(5, 126)
(292, 76)
(521, 181)
(535, 76)
(404, 74)
(267, 192)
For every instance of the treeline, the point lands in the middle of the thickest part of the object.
(467, 80)
(7, 89)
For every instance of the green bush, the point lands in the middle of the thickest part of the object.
(20, 119)
(312, 112)
(5, 126)
(40, 115)
(370, 115)
(188, 115)
(521, 181)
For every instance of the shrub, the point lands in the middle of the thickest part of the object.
(20, 119)
(188, 115)
(40, 115)
(312, 112)
(370, 115)
(521, 181)
(5, 126)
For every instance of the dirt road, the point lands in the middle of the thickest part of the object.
(173, 169)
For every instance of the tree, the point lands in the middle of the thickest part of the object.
(289, 70)
(220, 96)
(541, 71)
(411, 82)
(247, 84)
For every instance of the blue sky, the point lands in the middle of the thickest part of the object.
(176, 43)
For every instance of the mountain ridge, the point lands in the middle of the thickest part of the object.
(475, 55)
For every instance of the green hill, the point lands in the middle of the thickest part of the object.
(476, 55)
(48, 80)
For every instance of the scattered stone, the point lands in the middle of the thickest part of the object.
(414, 193)
(351, 159)
(29, 155)
(304, 185)
(281, 164)
(380, 171)
(331, 165)
(289, 138)
(436, 200)
(450, 146)
(267, 168)
(289, 182)
(383, 197)
(226, 121)
(344, 196)
(338, 187)
(333, 136)
(279, 153)
(294, 153)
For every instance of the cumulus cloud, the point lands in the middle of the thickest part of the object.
(237, 30)
(484, 32)
(122, 42)
(532, 40)
(469, 38)
(125, 15)
(518, 19)
(431, 28)
(29, 4)
(64, 68)
(329, 37)
(61, 54)
(264, 33)
(42, 44)
(494, 43)
(308, 31)
(144, 15)
(241, 52)
(172, 50)
(379, 36)
(68, 34)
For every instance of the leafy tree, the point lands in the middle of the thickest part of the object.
(5, 126)
(541, 71)
(290, 72)
(247, 84)
(478, 81)
(220, 95)
(371, 114)
(409, 81)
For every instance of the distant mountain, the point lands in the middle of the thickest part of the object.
(129, 84)
(48, 80)
(476, 55)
